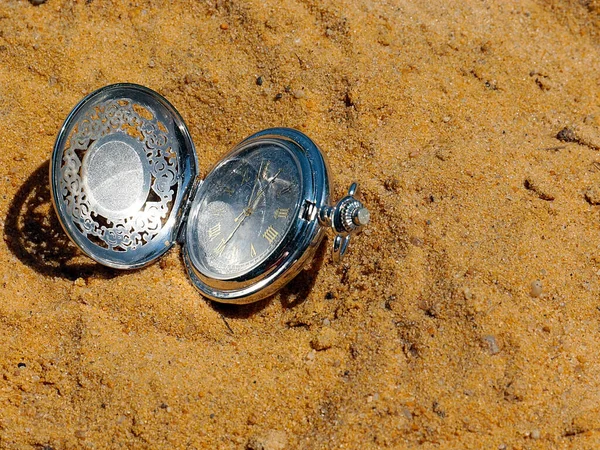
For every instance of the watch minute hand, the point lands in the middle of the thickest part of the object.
(251, 198)
(246, 213)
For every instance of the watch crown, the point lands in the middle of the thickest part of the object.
(353, 215)
(347, 217)
(361, 217)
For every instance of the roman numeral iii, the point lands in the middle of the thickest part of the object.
(214, 231)
(270, 234)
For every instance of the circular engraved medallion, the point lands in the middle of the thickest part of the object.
(116, 178)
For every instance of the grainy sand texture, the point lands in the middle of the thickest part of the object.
(466, 316)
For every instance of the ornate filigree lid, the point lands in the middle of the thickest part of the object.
(122, 168)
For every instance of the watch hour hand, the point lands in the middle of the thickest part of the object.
(248, 208)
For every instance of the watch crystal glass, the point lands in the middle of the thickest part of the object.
(244, 210)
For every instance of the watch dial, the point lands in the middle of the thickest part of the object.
(245, 209)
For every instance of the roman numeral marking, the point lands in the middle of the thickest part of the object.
(252, 251)
(214, 231)
(281, 213)
(270, 234)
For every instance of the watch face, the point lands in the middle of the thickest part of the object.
(244, 210)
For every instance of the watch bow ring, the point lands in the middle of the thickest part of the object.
(125, 185)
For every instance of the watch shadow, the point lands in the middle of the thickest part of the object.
(291, 295)
(34, 235)
(297, 291)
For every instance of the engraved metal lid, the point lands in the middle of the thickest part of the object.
(122, 167)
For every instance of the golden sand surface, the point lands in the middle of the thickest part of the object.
(467, 315)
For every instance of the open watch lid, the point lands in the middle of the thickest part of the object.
(123, 166)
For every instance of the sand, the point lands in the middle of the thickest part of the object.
(467, 315)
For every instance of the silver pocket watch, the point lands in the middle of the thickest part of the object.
(125, 186)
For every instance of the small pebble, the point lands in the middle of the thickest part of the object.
(299, 93)
(21, 365)
(536, 289)
(535, 434)
(80, 434)
(384, 38)
(151, 63)
(271, 440)
(259, 81)
(416, 241)
(278, 96)
(252, 419)
(324, 340)
(566, 135)
(467, 293)
(224, 26)
(392, 184)
(492, 344)
(592, 195)
(446, 119)
(583, 134)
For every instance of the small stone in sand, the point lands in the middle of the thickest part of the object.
(592, 195)
(566, 135)
(536, 289)
(492, 344)
(272, 440)
(80, 434)
(324, 340)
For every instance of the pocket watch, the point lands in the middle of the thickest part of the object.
(125, 186)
